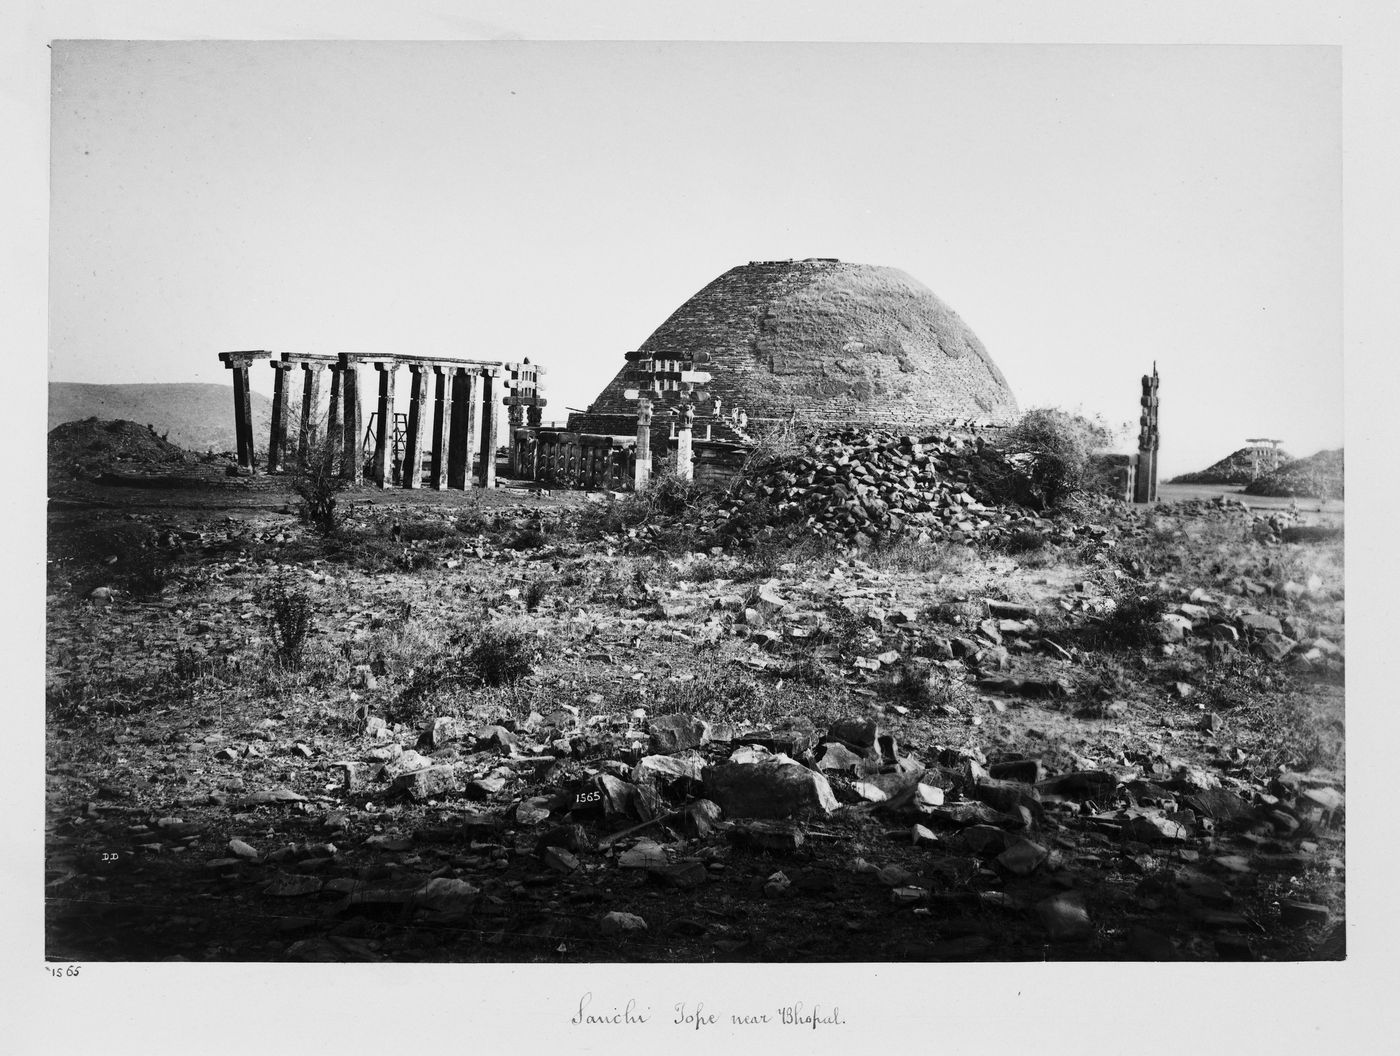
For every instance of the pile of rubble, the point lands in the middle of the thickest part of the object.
(663, 796)
(867, 485)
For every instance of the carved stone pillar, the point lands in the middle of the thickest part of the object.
(442, 423)
(335, 438)
(685, 450)
(310, 409)
(243, 418)
(490, 425)
(384, 428)
(1145, 487)
(466, 392)
(352, 464)
(412, 468)
(281, 408)
(641, 471)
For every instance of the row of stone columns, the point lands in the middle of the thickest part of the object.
(466, 397)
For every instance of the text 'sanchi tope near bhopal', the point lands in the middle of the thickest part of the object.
(820, 341)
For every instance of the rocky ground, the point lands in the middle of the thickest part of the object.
(525, 727)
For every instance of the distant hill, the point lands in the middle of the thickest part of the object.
(195, 416)
(1246, 464)
(1320, 475)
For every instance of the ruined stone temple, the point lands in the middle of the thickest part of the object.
(821, 342)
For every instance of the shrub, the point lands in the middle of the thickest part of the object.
(1052, 449)
(289, 621)
(317, 482)
(1132, 623)
(498, 655)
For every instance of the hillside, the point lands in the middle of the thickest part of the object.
(195, 416)
(1320, 475)
(1244, 465)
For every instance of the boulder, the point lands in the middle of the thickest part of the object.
(775, 788)
(677, 732)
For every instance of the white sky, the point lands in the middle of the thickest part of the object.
(1085, 209)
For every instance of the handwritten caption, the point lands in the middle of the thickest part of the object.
(698, 1016)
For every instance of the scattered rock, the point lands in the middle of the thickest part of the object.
(776, 788)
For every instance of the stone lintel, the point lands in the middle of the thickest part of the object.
(242, 359)
(310, 359)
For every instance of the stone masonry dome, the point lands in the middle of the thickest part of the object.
(822, 340)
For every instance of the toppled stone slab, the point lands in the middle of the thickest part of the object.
(429, 782)
(775, 788)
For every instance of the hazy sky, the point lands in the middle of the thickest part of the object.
(1085, 209)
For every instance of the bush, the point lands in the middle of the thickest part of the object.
(666, 498)
(1133, 622)
(498, 655)
(289, 621)
(1052, 449)
(318, 483)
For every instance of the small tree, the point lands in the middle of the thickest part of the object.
(318, 483)
(1053, 449)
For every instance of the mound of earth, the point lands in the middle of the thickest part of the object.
(197, 416)
(1245, 465)
(1320, 475)
(94, 449)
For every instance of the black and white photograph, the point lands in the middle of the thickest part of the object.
(792, 512)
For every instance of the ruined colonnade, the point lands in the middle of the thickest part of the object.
(454, 405)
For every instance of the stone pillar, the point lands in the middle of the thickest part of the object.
(352, 464)
(412, 468)
(466, 390)
(281, 408)
(335, 439)
(490, 425)
(1145, 487)
(243, 418)
(685, 468)
(443, 378)
(310, 409)
(384, 428)
(641, 471)
(534, 416)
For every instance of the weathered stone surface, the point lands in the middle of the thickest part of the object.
(1006, 796)
(776, 788)
(986, 840)
(446, 895)
(702, 815)
(1025, 771)
(856, 733)
(683, 773)
(837, 757)
(645, 854)
(616, 923)
(442, 731)
(1295, 914)
(768, 835)
(559, 859)
(1064, 918)
(430, 782)
(1022, 857)
(677, 732)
